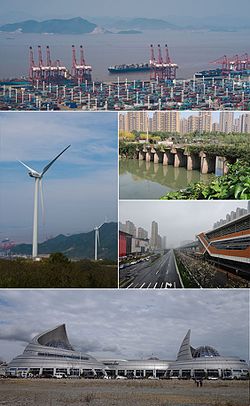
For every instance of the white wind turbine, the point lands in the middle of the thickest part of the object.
(38, 182)
(97, 239)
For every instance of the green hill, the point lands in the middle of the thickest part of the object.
(78, 245)
(70, 26)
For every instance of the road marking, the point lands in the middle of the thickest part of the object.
(130, 285)
(148, 285)
(155, 285)
(142, 285)
(168, 285)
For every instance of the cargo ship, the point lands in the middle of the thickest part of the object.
(133, 67)
(218, 73)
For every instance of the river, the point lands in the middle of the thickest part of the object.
(147, 180)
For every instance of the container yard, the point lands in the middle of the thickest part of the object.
(52, 86)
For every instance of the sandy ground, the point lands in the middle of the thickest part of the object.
(50, 392)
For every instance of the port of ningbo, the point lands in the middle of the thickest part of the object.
(51, 85)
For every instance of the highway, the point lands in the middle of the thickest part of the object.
(159, 273)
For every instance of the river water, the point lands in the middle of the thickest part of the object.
(191, 50)
(147, 180)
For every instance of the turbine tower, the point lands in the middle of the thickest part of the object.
(38, 182)
(97, 239)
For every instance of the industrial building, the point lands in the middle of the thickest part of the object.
(51, 353)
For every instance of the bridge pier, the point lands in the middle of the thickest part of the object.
(193, 162)
(141, 156)
(179, 159)
(221, 167)
(207, 163)
(148, 156)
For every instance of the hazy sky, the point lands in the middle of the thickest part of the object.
(80, 189)
(13, 10)
(132, 324)
(177, 220)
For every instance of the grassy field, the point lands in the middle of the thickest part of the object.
(44, 274)
(50, 392)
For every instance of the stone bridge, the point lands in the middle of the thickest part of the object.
(179, 157)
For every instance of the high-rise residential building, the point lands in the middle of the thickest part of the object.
(136, 121)
(130, 228)
(205, 121)
(215, 127)
(159, 242)
(154, 235)
(164, 242)
(121, 122)
(142, 233)
(226, 122)
(244, 123)
(183, 126)
(193, 124)
(172, 121)
(166, 121)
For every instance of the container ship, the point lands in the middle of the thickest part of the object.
(219, 73)
(137, 67)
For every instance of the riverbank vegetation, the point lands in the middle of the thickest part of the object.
(234, 185)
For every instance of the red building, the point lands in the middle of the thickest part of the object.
(125, 243)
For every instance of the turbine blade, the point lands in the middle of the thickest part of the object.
(53, 160)
(26, 166)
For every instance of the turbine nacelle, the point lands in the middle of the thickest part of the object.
(34, 175)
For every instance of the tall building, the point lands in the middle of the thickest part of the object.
(166, 121)
(130, 228)
(244, 125)
(159, 242)
(215, 127)
(154, 235)
(226, 122)
(141, 233)
(184, 126)
(121, 122)
(193, 124)
(164, 242)
(135, 121)
(205, 121)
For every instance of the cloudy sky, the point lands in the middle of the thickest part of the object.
(80, 189)
(16, 9)
(177, 220)
(132, 324)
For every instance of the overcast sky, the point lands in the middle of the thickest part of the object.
(177, 220)
(13, 10)
(130, 324)
(80, 189)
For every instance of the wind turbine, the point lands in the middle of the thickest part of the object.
(97, 239)
(38, 182)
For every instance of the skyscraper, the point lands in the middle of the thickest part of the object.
(226, 122)
(154, 235)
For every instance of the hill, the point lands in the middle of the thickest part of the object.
(70, 26)
(144, 24)
(78, 245)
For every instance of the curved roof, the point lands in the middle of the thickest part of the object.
(205, 351)
(56, 338)
(187, 353)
